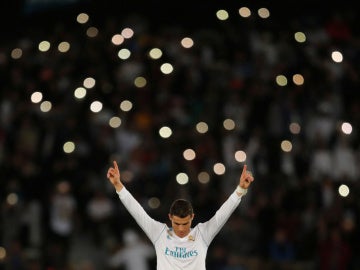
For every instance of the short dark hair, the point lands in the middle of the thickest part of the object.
(181, 208)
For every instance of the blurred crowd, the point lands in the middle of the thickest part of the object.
(58, 210)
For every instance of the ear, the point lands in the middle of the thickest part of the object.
(170, 217)
(192, 217)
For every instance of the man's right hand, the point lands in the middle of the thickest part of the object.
(113, 174)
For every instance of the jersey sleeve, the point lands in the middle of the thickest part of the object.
(151, 227)
(210, 228)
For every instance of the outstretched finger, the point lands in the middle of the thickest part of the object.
(115, 166)
(244, 169)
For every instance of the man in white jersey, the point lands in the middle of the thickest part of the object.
(180, 247)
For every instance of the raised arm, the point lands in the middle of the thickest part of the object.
(151, 227)
(210, 228)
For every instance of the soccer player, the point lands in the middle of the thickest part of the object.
(181, 246)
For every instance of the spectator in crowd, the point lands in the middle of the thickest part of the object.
(134, 254)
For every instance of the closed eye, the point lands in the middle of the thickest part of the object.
(181, 223)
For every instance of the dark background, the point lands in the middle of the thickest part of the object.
(305, 205)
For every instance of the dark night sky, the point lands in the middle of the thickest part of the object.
(16, 21)
(198, 11)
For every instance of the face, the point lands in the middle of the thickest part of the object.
(181, 226)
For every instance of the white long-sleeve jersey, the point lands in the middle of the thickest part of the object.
(172, 252)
